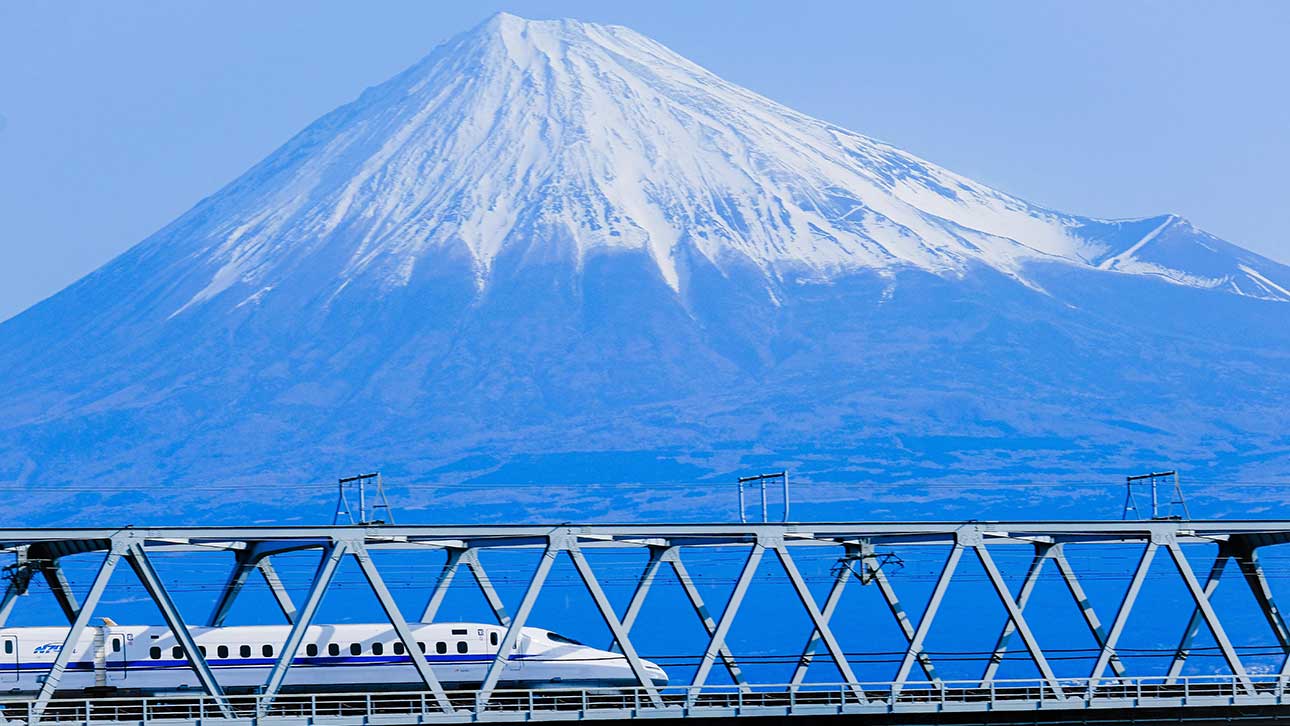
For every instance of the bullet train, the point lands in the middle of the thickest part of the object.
(147, 660)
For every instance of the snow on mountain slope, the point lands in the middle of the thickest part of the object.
(522, 133)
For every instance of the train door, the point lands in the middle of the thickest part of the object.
(8, 659)
(115, 662)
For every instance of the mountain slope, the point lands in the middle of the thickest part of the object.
(551, 237)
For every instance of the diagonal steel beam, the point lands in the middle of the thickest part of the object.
(242, 566)
(615, 627)
(902, 620)
(1018, 620)
(55, 673)
(643, 584)
(1042, 552)
(673, 558)
(471, 559)
(279, 591)
(1122, 615)
(1211, 617)
(1085, 606)
(718, 640)
(513, 630)
(441, 586)
(1247, 559)
(818, 620)
(331, 557)
(915, 649)
(1193, 625)
(147, 574)
(840, 579)
(61, 589)
(254, 557)
(395, 616)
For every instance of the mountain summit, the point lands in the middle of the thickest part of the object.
(562, 138)
(559, 238)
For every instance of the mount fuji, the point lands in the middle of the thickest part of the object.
(559, 251)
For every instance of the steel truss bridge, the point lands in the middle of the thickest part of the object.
(914, 694)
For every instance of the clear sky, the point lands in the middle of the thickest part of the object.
(116, 117)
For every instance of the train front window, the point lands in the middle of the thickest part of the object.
(557, 638)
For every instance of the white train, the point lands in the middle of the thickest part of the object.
(146, 660)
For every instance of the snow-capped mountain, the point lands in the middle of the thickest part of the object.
(554, 236)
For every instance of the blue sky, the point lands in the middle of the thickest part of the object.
(115, 118)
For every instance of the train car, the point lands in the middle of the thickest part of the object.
(149, 660)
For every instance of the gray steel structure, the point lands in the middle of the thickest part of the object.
(40, 550)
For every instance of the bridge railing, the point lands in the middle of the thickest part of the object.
(708, 700)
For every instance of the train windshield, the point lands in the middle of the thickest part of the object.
(557, 638)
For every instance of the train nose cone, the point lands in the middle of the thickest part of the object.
(656, 674)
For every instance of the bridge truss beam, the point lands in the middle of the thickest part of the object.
(44, 551)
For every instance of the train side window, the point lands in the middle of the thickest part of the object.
(399, 649)
(222, 651)
(311, 650)
(492, 638)
(355, 648)
(176, 652)
(422, 646)
(333, 649)
(267, 650)
(441, 647)
(462, 647)
(154, 653)
(378, 648)
(244, 651)
(116, 646)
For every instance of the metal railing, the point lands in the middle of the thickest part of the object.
(679, 701)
